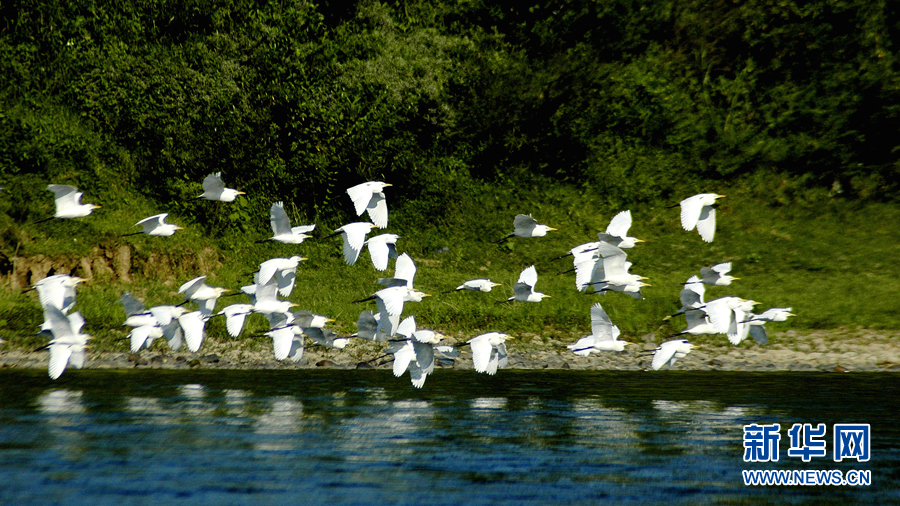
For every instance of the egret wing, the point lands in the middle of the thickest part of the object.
(706, 223)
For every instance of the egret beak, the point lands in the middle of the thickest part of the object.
(95, 206)
(388, 184)
(176, 227)
(550, 228)
(735, 279)
(329, 320)
(720, 196)
(240, 193)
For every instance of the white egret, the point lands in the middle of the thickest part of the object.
(193, 324)
(489, 352)
(308, 319)
(669, 351)
(145, 328)
(404, 273)
(214, 189)
(267, 301)
(376, 327)
(475, 285)
(167, 319)
(204, 295)
(756, 322)
(613, 267)
(603, 336)
(58, 291)
(697, 323)
(68, 343)
(282, 230)
(369, 197)
(691, 296)
(326, 337)
(381, 248)
(156, 226)
(68, 202)
(717, 275)
(697, 211)
(354, 236)
(284, 270)
(523, 290)
(617, 231)
(526, 226)
(235, 316)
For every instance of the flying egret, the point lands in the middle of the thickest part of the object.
(617, 231)
(308, 319)
(68, 343)
(369, 197)
(283, 270)
(613, 267)
(691, 296)
(526, 226)
(354, 236)
(669, 351)
(697, 211)
(603, 336)
(214, 189)
(475, 285)
(375, 327)
(697, 323)
(68, 202)
(282, 230)
(755, 323)
(404, 273)
(381, 248)
(326, 337)
(204, 295)
(523, 290)
(58, 291)
(235, 316)
(717, 275)
(156, 226)
(145, 328)
(489, 352)
(192, 324)
(267, 301)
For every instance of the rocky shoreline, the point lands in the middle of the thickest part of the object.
(836, 350)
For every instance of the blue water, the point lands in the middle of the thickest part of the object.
(365, 437)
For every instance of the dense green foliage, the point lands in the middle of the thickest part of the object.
(299, 100)
(469, 108)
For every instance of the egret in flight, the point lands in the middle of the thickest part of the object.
(68, 343)
(603, 336)
(717, 275)
(526, 226)
(669, 351)
(698, 211)
(475, 285)
(156, 226)
(282, 230)
(523, 290)
(369, 197)
(617, 232)
(68, 202)
(489, 352)
(354, 236)
(214, 189)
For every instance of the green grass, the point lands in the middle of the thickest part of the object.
(833, 261)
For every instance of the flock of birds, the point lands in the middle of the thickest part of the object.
(600, 265)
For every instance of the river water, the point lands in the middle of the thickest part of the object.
(365, 437)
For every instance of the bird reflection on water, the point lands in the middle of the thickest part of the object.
(341, 436)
